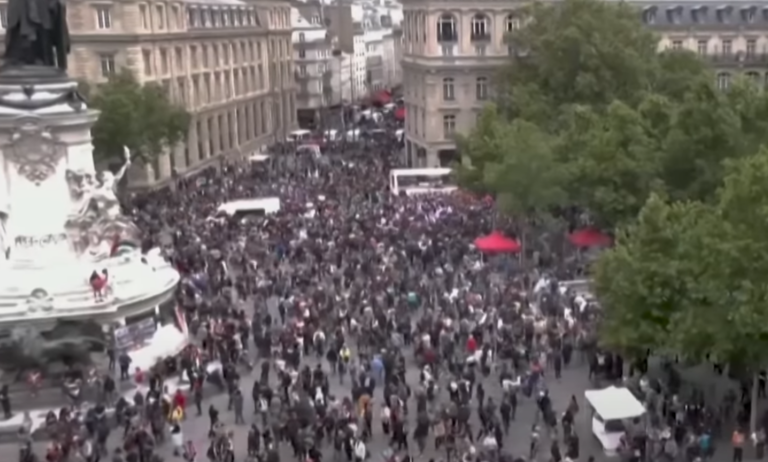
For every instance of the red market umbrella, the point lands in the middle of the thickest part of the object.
(382, 97)
(497, 243)
(589, 238)
(400, 113)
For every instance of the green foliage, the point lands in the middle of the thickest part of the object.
(590, 114)
(578, 52)
(141, 117)
(624, 120)
(688, 277)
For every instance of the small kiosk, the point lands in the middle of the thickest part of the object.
(612, 407)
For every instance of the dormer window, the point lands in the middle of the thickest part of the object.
(724, 14)
(675, 14)
(699, 14)
(649, 15)
(748, 14)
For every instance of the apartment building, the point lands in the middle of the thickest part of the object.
(227, 61)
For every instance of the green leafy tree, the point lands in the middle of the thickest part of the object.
(527, 179)
(141, 117)
(651, 279)
(577, 52)
(612, 161)
(704, 131)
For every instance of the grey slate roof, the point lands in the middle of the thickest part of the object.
(747, 14)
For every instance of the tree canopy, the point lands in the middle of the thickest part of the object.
(621, 119)
(656, 153)
(141, 117)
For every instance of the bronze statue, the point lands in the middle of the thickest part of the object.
(37, 33)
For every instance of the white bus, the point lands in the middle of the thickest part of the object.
(421, 180)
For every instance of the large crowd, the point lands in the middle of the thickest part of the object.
(350, 287)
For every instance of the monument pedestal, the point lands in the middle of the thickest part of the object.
(67, 251)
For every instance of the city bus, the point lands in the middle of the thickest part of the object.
(421, 180)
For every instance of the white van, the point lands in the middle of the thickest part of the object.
(244, 207)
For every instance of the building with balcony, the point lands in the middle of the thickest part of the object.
(213, 56)
(313, 54)
(731, 36)
(453, 49)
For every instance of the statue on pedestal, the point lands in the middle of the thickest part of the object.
(37, 34)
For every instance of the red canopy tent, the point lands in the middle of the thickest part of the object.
(497, 243)
(382, 97)
(400, 113)
(588, 237)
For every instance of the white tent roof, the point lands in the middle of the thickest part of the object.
(614, 403)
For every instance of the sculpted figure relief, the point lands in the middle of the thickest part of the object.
(96, 224)
(105, 195)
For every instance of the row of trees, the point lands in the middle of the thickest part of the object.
(141, 117)
(590, 114)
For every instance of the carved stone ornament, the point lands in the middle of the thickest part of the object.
(34, 150)
(39, 300)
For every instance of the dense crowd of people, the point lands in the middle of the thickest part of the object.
(351, 287)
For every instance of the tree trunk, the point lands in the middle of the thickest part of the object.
(753, 407)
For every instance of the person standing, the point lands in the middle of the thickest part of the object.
(737, 440)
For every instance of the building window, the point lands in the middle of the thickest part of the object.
(649, 15)
(143, 17)
(481, 88)
(193, 57)
(675, 14)
(723, 81)
(160, 17)
(480, 50)
(446, 28)
(302, 70)
(103, 17)
(748, 14)
(447, 50)
(751, 48)
(449, 93)
(677, 44)
(107, 65)
(512, 23)
(724, 14)
(302, 54)
(727, 47)
(175, 20)
(702, 47)
(302, 37)
(315, 20)
(146, 56)
(479, 27)
(449, 126)
(753, 77)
